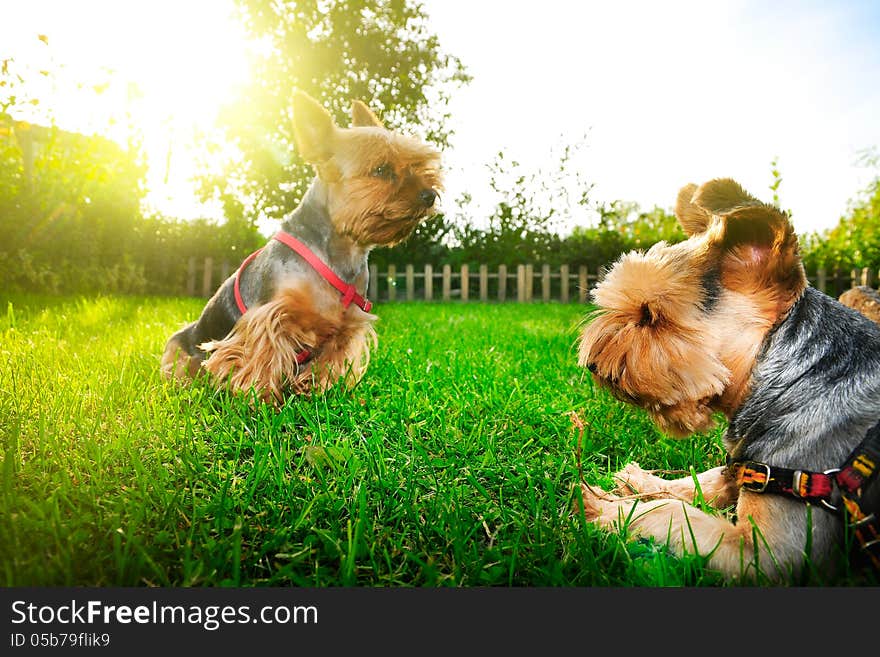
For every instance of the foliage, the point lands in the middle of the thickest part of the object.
(523, 226)
(622, 227)
(335, 50)
(70, 204)
(527, 222)
(71, 216)
(167, 245)
(70, 210)
(427, 245)
(777, 180)
(73, 223)
(854, 242)
(66, 210)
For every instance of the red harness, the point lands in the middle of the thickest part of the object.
(349, 292)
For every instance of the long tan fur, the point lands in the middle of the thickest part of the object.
(260, 353)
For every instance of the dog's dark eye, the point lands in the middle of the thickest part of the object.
(384, 171)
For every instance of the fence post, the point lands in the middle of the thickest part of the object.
(866, 277)
(447, 281)
(207, 275)
(392, 282)
(191, 277)
(583, 285)
(821, 279)
(563, 283)
(429, 282)
(545, 283)
(484, 283)
(410, 283)
(502, 282)
(374, 282)
(854, 278)
(530, 281)
(465, 283)
(520, 283)
(225, 270)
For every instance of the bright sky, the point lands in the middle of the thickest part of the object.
(667, 92)
(671, 92)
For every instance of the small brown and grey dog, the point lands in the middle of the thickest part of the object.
(279, 326)
(864, 299)
(726, 322)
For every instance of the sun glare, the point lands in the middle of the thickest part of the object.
(154, 72)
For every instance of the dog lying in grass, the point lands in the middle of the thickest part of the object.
(725, 322)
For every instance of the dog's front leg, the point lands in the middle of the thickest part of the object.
(715, 485)
(770, 535)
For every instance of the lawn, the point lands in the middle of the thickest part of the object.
(452, 463)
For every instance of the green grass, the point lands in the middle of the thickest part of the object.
(452, 463)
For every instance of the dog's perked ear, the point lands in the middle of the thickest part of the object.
(313, 129)
(693, 219)
(363, 117)
(722, 195)
(695, 206)
(757, 242)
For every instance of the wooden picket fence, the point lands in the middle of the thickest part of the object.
(521, 284)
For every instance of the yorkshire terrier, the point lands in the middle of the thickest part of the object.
(725, 322)
(864, 299)
(293, 318)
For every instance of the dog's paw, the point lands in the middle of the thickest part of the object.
(632, 480)
(595, 502)
(643, 484)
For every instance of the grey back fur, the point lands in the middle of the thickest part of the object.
(310, 223)
(816, 388)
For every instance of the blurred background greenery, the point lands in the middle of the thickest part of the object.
(73, 216)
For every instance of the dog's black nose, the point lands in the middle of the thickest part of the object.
(428, 196)
(591, 367)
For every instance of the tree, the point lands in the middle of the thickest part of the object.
(335, 50)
